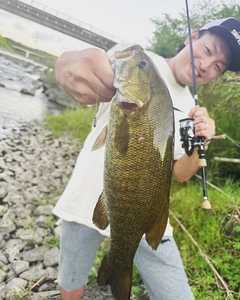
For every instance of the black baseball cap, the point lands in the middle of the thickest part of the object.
(229, 30)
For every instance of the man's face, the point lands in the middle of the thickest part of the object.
(211, 58)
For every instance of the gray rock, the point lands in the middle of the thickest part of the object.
(27, 92)
(16, 284)
(34, 255)
(3, 291)
(51, 257)
(3, 210)
(12, 249)
(35, 273)
(7, 226)
(9, 215)
(43, 210)
(3, 189)
(30, 235)
(3, 259)
(19, 266)
(3, 275)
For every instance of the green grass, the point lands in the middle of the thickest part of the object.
(74, 123)
(4, 44)
(217, 233)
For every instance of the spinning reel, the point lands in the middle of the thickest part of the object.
(188, 139)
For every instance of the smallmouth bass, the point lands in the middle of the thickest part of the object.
(138, 166)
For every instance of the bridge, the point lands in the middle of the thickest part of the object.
(48, 17)
(27, 52)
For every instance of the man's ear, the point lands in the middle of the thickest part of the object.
(194, 34)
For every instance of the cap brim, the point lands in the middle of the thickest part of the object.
(233, 45)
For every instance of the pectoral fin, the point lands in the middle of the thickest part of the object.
(155, 234)
(101, 139)
(100, 216)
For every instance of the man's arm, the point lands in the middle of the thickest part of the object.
(185, 167)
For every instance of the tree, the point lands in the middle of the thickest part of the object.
(171, 32)
(168, 36)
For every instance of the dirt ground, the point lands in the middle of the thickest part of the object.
(92, 292)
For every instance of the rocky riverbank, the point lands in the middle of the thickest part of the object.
(50, 89)
(34, 168)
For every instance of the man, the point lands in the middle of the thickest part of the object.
(87, 77)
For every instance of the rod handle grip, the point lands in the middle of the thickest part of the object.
(202, 162)
(206, 205)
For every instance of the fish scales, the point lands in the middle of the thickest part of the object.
(138, 166)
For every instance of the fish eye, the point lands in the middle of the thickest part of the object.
(142, 64)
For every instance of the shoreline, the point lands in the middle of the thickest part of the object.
(34, 169)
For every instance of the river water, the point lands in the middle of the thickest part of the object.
(15, 106)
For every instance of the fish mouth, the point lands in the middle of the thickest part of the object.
(128, 106)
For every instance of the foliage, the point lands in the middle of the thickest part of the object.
(75, 123)
(217, 233)
(47, 59)
(4, 44)
(52, 242)
(171, 32)
(174, 32)
(222, 98)
(15, 43)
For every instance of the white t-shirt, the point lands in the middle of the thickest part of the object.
(78, 200)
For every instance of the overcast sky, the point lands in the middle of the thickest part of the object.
(129, 20)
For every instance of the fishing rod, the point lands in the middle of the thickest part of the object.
(187, 130)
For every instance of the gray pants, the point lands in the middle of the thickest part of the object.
(162, 271)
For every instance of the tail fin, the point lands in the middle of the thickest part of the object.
(120, 281)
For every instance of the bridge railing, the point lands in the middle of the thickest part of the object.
(72, 20)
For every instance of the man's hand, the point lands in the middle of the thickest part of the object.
(86, 76)
(204, 125)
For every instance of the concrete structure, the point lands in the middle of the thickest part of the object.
(43, 15)
(27, 52)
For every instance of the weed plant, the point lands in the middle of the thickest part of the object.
(74, 123)
(4, 44)
(222, 98)
(217, 233)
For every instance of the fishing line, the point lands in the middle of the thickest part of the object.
(96, 102)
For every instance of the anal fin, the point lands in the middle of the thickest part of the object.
(155, 234)
(100, 216)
